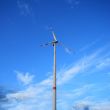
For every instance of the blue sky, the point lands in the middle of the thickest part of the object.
(83, 76)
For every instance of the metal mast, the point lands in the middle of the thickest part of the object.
(54, 74)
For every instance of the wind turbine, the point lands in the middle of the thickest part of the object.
(53, 43)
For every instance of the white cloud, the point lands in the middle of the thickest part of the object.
(104, 63)
(73, 3)
(68, 50)
(46, 82)
(22, 95)
(25, 78)
(78, 67)
(24, 8)
(73, 94)
(101, 106)
(88, 46)
(92, 105)
(33, 97)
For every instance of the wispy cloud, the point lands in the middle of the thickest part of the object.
(104, 63)
(92, 105)
(67, 50)
(77, 92)
(80, 66)
(101, 106)
(73, 3)
(25, 8)
(88, 46)
(76, 2)
(25, 78)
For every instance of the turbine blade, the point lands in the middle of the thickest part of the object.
(46, 44)
(67, 50)
(54, 36)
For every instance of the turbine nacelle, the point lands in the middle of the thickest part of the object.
(55, 42)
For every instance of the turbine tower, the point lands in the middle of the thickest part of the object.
(54, 73)
(53, 43)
